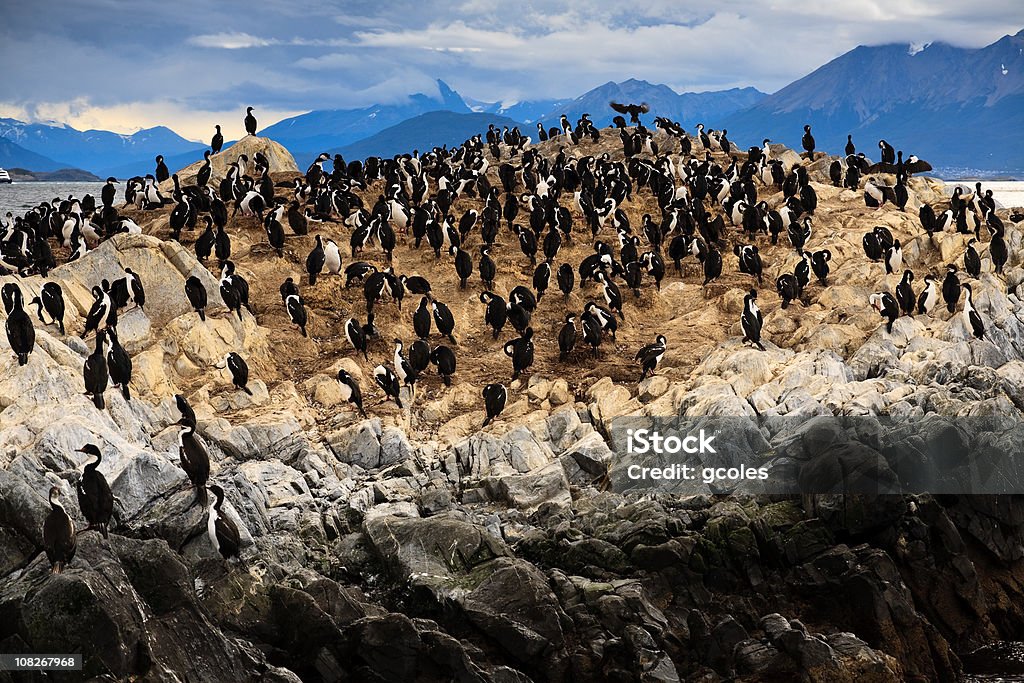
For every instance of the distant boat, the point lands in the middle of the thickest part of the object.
(5, 177)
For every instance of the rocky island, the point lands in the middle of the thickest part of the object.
(414, 544)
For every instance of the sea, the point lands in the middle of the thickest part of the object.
(19, 197)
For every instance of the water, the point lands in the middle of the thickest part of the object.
(1001, 662)
(1008, 193)
(19, 197)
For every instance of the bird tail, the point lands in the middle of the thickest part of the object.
(303, 330)
(487, 421)
(201, 495)
(126, 392)
(61, 324)
(239, 312)
(246, 390)
(312, 279)
(22, 359)
(202, 314)
(98, 400)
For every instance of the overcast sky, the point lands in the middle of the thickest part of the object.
(189, 64)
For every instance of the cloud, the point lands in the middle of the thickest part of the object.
(230, 41)
(296, 55)
(129, 117)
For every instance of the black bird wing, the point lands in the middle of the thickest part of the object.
(919, 166)
(882, 167)
(227, 535)
(647, 352)
(621, 108)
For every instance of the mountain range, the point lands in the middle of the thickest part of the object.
(962, 109)
(98, 151)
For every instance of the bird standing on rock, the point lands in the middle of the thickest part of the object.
(807, 141)
(650, 355)
(495, 396)
(250, 122)
(239, 371)
(20, 333)
(59, 539)
(94, 496)
(751, 320)
(221, 529)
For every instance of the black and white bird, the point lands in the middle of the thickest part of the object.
(951, 288)
(193, 458)
(567, 338)
(296, 311)
(356, 336)
(250, 121)
(217, 142)
(463, 265)
(221, 529)
(94, 372)
(239, 370)
(59, 539)
(750, 260)
(188, 415)
(487, 267)
(495, 313)
(315, 260)
(495, 396)
(444, 358)
(20, 333)
(887, 306)
(51, 300)
(566, 278)
(94, 497)
(929, 296)
(820, 265)
(234, 290)
(971, 316)
(807, 141)
(905, 293)
(404, 370)
(650, 355)
(101, 312)
(612, 294)
(972, 261)
(788, 288)
(119, 365)
(893, 258)
(387, 381)
(751, 320)
(444, 320)
(421, 319)
(520, 350)
(195, 290)
(633, 110)
(350, 391)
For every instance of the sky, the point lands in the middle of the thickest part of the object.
(189, 64)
